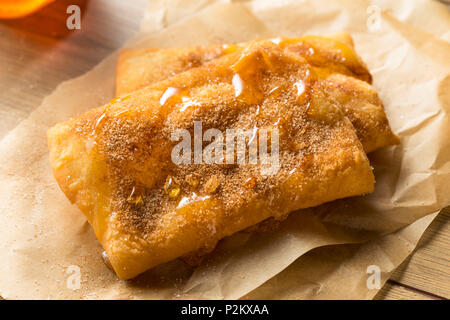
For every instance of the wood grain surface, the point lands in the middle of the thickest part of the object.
(38, 52)
(427, 270)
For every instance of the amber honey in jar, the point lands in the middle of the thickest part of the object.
(10, 9)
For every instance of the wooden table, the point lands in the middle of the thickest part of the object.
(38, 52)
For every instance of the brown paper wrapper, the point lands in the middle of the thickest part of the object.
(348, 268)
(45, 241)
(430, 16)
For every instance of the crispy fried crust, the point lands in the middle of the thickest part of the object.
(345, 77)
(137, 68)
(115, 163)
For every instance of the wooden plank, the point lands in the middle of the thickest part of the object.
(38, 52)
(428, 268)
(392, 291)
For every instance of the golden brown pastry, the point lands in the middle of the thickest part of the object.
(115, 162)
(137, 68)
(346, 78)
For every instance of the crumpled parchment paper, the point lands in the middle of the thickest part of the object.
(46, 244)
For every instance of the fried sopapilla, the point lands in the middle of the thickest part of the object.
(345, 77)
(116, 162)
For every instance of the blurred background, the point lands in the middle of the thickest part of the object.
(38, 51)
